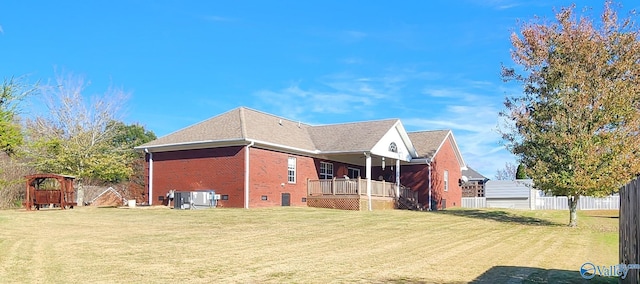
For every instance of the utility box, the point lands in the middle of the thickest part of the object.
(198, 199)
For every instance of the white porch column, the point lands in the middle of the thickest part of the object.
(368, 172)
(397, 178)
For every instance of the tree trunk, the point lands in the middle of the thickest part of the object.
(573, 208)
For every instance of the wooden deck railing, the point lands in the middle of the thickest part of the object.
(341, 186)
(409, 194)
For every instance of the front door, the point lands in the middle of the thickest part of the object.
(286, 199)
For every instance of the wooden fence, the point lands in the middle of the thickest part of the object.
(629, 229)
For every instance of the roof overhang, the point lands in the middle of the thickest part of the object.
(224, 143)
(192, 145)
(282, 148)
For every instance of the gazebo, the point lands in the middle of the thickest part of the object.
(46, 189)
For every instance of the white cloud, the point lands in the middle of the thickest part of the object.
(470, 110)
(319, 102)
(458, 94)
(343, 94)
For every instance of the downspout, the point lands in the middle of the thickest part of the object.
(430, 185)
(146, 150)
(246, 175)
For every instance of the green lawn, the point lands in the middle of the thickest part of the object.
(302, 245)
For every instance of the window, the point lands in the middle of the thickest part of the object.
(446, 180)
(354, 173)
(326, 170)
(291, 170)
(264, 197)
(225, 197)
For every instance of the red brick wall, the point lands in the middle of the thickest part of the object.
(268, 172)
(415, 177)
(446, 159)
(220, 169)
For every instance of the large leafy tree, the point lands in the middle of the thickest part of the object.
(77, 136)
(12, 91)
(521, 173)
(575, 126)
(12, 169)
(127, 137)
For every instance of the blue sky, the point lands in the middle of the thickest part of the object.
(432, 64)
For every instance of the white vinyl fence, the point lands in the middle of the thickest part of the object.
(474, 202)
(555, 203)
(584, 203)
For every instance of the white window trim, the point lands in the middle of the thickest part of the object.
(291, 168)
(355, 170)
(326, 167)
(446, 180)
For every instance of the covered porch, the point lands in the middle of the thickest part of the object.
(352, 194)
(346, 186)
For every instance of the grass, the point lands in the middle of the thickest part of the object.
(302, 245)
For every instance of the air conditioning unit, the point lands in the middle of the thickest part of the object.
(198, 199)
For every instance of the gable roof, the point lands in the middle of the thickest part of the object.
(356, 136)
(243, 126)
(429, 143)
(276, 130)
(239, 125)
(473, 174)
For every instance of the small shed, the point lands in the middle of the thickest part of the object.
(515, 194)
(50, 189)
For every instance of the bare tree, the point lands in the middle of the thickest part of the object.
(508, 173)
(75, 137)
(12, 188)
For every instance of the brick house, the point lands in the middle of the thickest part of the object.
(474, 186)
(254, 159)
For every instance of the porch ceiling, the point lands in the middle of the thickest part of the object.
(360, 159)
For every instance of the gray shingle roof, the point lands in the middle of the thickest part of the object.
(222, 127)
(428, 142)
(357, 136)
(242, 125)
(277, 130)
(473, 174)
(245, 123)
